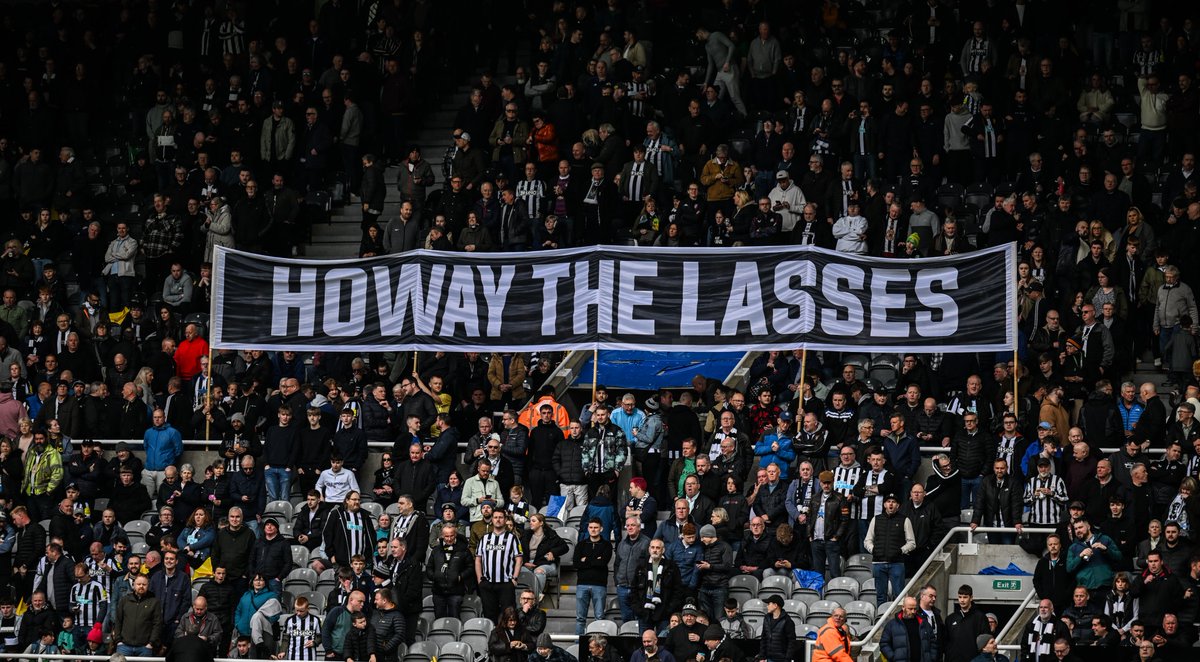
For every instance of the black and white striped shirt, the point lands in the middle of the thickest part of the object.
(100, 573)
(634, 187)
(356, 534)
(532, 194)
(637, 106)
(401, 525)
(498, 552)
(873, 505)
(654, 153)
(298, 631)
(844, 480)
(1046, 508)
(87, 603)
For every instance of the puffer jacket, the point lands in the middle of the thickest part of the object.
(388, 626)
(895, 645)
(720, 557)
(615, 448)
(568, 462)
(1173, 303)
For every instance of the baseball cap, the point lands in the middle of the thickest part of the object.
(782, 174)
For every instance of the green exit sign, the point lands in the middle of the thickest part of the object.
(1006, 584)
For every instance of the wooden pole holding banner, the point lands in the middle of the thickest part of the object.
(414, 365)
(803, 370)
(595, 370)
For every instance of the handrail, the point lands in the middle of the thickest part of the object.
(934, 450)
(1016, 614)
(912, 583)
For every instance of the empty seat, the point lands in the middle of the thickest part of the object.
(315, 600)
(603, 626)
(807, 595)
(300, 557)
(480, 625)
(822, 608)
(140, 548)
(421, 651)
(841, 587)
(776, 585)
(860, 608)
(472, 608)
(612, 609)
(137, 526)
(755, 612)
(573, 651)
(743, 587)
(980, 195)
(950, 196)
(859, 561)
(860, 575)
(807, 631)
(456, 651)
(444, 631)
(629, 629)
(475, 632)
(300, 580)
(375, 509)
(327, 579)
(280, 509)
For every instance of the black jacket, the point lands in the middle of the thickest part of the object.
(778, 637)
(551, 542)
(568, 462)
(994, 499)
(232, 551)
(449, 568)
(669, 593)
(1053, 582)
(272, 558)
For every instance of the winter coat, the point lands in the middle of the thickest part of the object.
(895, 644)
(220, 230)
(138, 621)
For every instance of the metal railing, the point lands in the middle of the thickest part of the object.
(916, 582)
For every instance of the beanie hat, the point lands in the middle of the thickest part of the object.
(982, 640)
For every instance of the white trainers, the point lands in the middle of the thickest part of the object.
(1157, 363)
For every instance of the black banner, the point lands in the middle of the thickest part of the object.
(666, 299)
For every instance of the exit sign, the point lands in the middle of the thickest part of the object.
(1006, 584)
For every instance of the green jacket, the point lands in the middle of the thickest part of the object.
(43, 471)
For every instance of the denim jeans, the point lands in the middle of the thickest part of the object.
(970, 487)
(884, 573)
(625, 599)
(585, 594)
(712, 601)
(827, 557)
(279, 483)
(134, 651)
(447, 605)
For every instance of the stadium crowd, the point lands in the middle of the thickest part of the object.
(135, 137)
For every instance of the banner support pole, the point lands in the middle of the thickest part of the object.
(803, 371)
(595, 370)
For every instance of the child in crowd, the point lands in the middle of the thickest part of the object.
(66, 638)
(354, 649)
(44, 645)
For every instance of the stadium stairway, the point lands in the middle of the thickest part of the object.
(340, 237)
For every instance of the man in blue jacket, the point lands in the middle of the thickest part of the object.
(776, 445)
(909, 637)
(163, 445)
(903, 452)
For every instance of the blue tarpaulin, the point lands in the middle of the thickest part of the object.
(654, 370)
(1012, 569)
